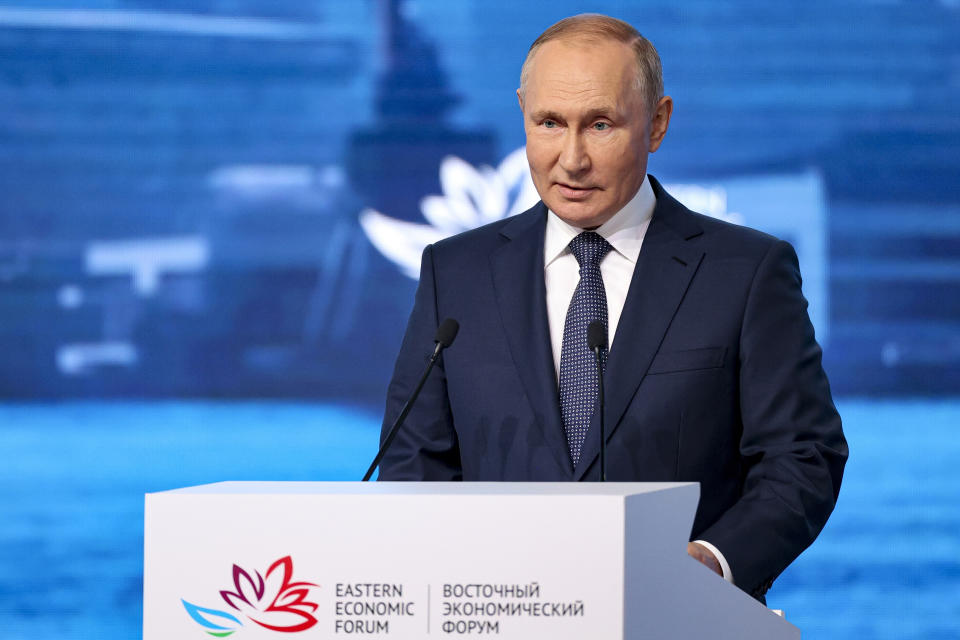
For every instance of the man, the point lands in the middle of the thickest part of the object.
(713, 374)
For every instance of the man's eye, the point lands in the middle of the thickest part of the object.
(601, 126)
(549, 124)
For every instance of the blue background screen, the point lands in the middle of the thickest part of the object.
(212, 212)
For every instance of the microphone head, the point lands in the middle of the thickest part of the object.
(596, 335)
(446, 332)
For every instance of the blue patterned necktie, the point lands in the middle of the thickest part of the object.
(579, 384)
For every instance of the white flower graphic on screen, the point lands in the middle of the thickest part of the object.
(472, 196)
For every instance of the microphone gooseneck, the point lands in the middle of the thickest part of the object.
(444, 337)
(597, 340)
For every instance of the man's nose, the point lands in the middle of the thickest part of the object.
(574, 158)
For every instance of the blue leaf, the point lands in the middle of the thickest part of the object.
(196, 613)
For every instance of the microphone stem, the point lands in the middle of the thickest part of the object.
(403, 414)
(603, 435)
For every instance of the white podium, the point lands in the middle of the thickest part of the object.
(419, 560)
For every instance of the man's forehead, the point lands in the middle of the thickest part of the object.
(574, 62)
(595, 73)
(557, 51)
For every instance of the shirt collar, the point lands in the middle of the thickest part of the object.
(624, 231)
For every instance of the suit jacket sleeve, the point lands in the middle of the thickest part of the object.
(792, 446)
(425, 448)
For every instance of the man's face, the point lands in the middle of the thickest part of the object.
(588, 132)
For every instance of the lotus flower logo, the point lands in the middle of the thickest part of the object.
(273, 601)
(472, 196)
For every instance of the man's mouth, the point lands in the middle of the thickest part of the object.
(574, 192)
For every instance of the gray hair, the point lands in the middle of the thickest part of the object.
(598, 27)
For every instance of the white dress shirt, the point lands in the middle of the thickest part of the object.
(625, 232)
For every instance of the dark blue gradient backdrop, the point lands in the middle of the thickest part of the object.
(211, 215)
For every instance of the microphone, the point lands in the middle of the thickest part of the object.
(597, 340)
(444, 337)
(446, 332)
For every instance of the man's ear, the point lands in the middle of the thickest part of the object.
(660, 122)
(520, 99)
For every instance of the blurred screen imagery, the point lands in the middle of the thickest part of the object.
(213, 212)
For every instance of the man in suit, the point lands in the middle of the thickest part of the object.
(713, 373)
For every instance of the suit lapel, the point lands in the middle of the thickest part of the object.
(518, 280)
(665, 267)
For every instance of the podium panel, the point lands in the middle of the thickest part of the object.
(418, 560)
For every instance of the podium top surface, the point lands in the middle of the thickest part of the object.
(431, 488)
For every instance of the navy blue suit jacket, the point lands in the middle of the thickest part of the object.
(713, 376)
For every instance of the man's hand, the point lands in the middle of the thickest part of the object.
(704, 555)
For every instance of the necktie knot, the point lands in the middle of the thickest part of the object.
(589, 248)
